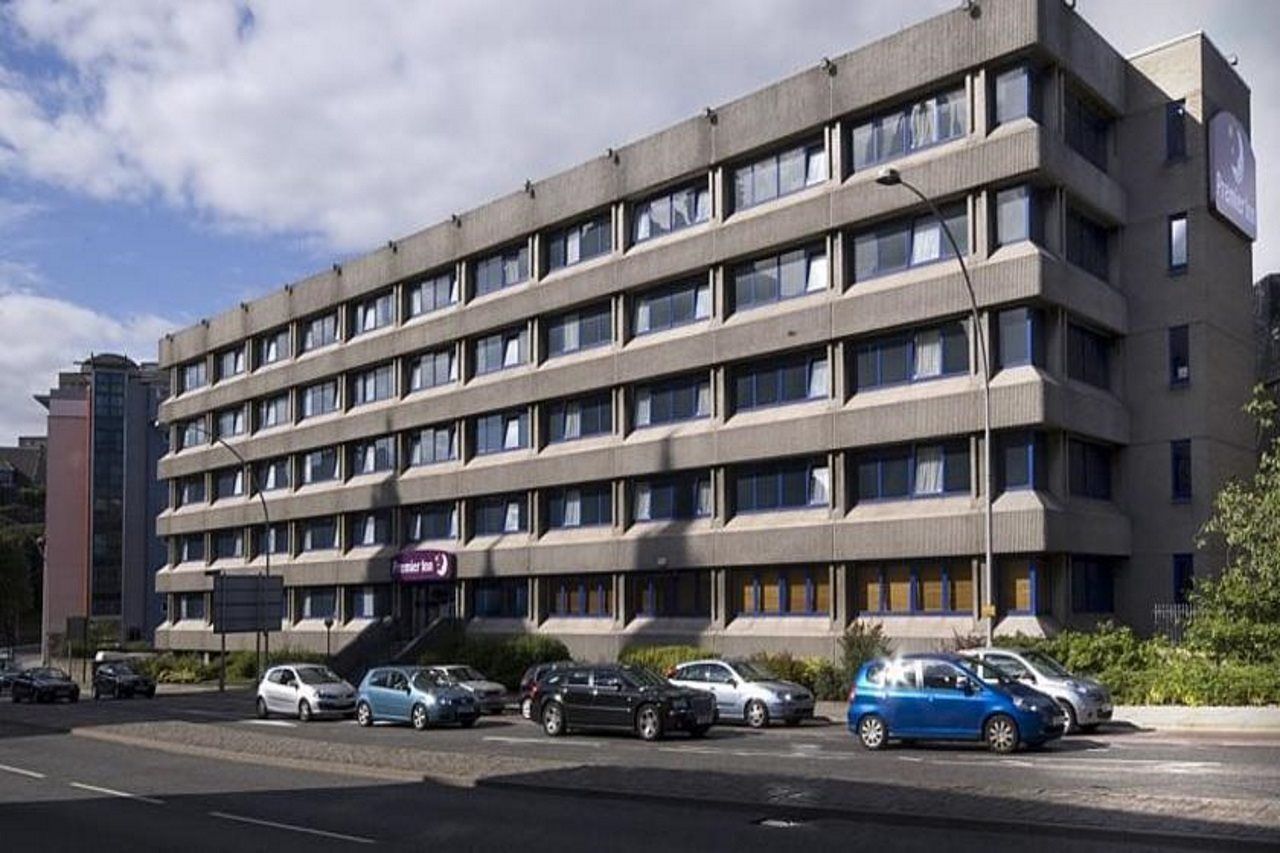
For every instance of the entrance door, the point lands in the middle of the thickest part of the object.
(428, 602)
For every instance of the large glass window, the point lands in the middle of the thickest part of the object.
(275, 540)
(319, 332)
(1092, 584)
(433, 444)
(582, 417)
(902, 244)
(194, 375)
(191, 548)
(273, 347)
(369, 601)
(914, 471)
(780, 592)
(191, 490)
(912, 356)
(273, 411)
(671, 401)
(1023, 585)
(1017, 216)
(373, 456)
(580, 595)
(228, 544)
(431, 294)
(498, 514)
(672, 305)
(1179, 355)
(1178, 243)
(1175, 130)
(318, 602)
(1180, 465)
(934, 120)
(273, 474)
(670, 212)
(502, 431)
(780, 380)
(320, 398)
(1015, 94)
(320, 466)
(580, 506)
(671, 594)
(373, 385)
(791, 484)
(1089, 469)
(190, 605)
(1184, 575)
(319, 534)
(779, 174)
(502, 598)
(1019, 337)
(580, 242)
(1086, 128)
(682, 496)
(191, 434)
(365, 529)
(579, 330)
(1022, 460)
(377, 312)
(231, 362)
(429, 522)
(504, 269)
(502, 351)
(1088, 356)
(943, 586)
(229, 423)
(228, 483)
(778, 277)
(432, 369)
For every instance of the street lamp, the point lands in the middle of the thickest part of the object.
(891, 177)
(328, 632)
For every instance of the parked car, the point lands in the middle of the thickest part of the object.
(621, 697)
(120, 679)
(491, 695)
(414, 695)
(1086, 702)
(8, 671)
(747, 691)
(941, 697)
(305, 690)
(531, 681)
(44, 684)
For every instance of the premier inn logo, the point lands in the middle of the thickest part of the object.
(1232, 174)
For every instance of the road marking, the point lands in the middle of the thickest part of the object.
(595, 744)
(283, 724)
(19, 771)
(292, 828)
(114, 793)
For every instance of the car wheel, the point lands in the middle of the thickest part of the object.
(872, 732)
(699, 731)
(649, 723)
(1073, 723)
(526, 708)
(1001, 734)
(553, 719)
(262, 708)
(418, 717)
(468, 722)
(304, 711)
(756, 714)
(364, 714)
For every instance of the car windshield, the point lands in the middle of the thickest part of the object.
(318, 675)
(990, 669)
(425, 680)
(123, 669)
(642, 677)
(50, 672)
(464, 673)
(1046, 664)
(753, 671)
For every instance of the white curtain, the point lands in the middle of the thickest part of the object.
(644, 502)
(453, 523)
(444, 444)
(273, 350)
(702, 302)
(643, 221)
(573, 421)
(703, 206)
(704, 497)
(511, 352)
(643, 407)
(817, 279)
(571, 340)
(817, 167)
(573, 247)
(370, 461)
(415, 374)
(820, 485)
(239, 483)
(927, 243)
(511, 439)
(928, 471)
(642, 316)
(512, 522)
(923, 124)
(928, 354)
(572, 508)
(368, 531)
(415, 525)
(818, 379)
(704, 398)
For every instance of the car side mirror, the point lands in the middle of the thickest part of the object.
(963, 683)
(732, 682)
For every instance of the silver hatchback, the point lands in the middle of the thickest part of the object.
(1086, 702)
(746, 691)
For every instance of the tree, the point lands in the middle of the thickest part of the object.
(15, 581)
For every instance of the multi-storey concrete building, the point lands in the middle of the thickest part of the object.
(720, 386)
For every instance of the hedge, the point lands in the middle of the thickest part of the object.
(501, 659)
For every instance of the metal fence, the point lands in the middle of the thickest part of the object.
(1171, 619)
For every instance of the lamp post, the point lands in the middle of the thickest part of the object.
(328, 632)
(890, 177)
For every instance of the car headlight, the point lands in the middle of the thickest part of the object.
(787, 697)
(1023, 703)
(431, 700)
(1077, 687)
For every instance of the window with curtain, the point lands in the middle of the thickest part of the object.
(683, 496)
(319, 534)
(370, 528)
(320, 466)
(377, 312)
(791, 484)
(373, 456)
(229, 423)
(273, 474)
(368, 601)
(194, 375)
(433, 444)
(502, 269)
(231, 362)
(670, 212)
(434, 521)
(497, 514)
(191, 548)
(320, 398)
(779, 174)
(771, 279)
(228, 483)
(581, 417)
(273, 411)
(432, 369)
(374, 385)
(502, 431)
(578, 330)
(778, 381)
(191, 490)
(319, 602)
(921, 470)
(228, 544)
(580, 506)
(273, 347)
(431, 294)
(671, 594)
(672, 305)
(501, 351)
(921, 124)
(580, 242)
(912, 356)
(319, 332)
(1178, 243)
(672, 401)
(275, 540)
(581, 595)
(799, 591)
(906, 243)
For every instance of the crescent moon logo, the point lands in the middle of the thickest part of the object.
(1237, 165)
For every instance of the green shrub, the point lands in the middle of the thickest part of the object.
(502, 659)
(824, 678)
(662, 659)
(859, 644)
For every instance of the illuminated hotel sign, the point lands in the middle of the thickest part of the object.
(1233, 192)
(425, 566)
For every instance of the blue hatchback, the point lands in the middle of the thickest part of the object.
(411, 694)
(940, 697)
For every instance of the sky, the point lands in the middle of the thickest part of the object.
(161, 161)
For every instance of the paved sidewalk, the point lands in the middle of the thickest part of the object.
(1164, 718)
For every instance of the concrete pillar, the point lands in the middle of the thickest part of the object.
(719, 496)
(619, 222)
(621, 330)
(840, 588)
(621, 603)
(720, 598)
(719, 395)
(835, 152)
(719, 301)
(621, 423)
(980, 112)
(537, 604)
(719, 209)
(621, 506)
(537, 521)
(839, 476)
(534, 247)
(464, 520)
(840, 389)
(979, 226)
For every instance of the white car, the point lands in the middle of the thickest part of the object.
(305, 691)
(1086, 702)
(746, 691)
(491, 696)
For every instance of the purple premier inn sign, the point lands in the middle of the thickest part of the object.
(425, 566)
(1232, 189)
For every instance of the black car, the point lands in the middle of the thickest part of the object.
(621, 697)
(120, 679)
(44, 684)
(8, 672)
(531, 683)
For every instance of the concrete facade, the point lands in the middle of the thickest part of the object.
(746, 579)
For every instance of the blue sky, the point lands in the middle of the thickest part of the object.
(161, 161)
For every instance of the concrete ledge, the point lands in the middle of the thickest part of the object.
(1263, 719)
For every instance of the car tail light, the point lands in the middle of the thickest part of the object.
(853, 692)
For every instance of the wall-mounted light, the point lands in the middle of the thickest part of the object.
(391, 244)
(528, 187)
(828, 66)
(337, 269)
(711, 115)
(244, 306)
(612, 154)
(972, 7)
(1233, 60)
(456, 219)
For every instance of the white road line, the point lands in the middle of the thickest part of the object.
(292, 828)
(20, 772)
(114, 793)
(284, 724)
(543, 741)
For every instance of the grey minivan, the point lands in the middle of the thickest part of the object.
(747, 691)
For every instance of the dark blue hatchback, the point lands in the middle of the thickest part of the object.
(940, 697)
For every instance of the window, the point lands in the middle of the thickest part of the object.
(373, 456)
(671, 594)
(1184, 575)
(502, 431)
(273, 411)
(231, 363)
(190, 434)
(1178, 243)
(191, 548)
(568, 420)
(229, 422)
(228, 483)
(1087, 245)
(503, 269)
(501, 514)
(367, 529)
(932, 121)
(1019, 338)
(945, 586)
(372, 385)
(793, 484)
(1086, 128)
(1179, 355)
(319, 332)
(228, 544)
(320, 399)
(682, 496)
(368, 602)
(190, 605)
(581, 595)
(273, 474)
(580, 242)
(672, 305)
(319, 534)
(580, 506)
(912, 356)
(318, 602)
(916, 471)
(432, 369)
(502, 598)
(1017, 216)
(501, 351)
(193, 375)
(777, 382)
(1022, 462)
(1022, 585)
(1180, 464)
(432, 521)
(1089, 469)
(433, 444)
(273, 347)
(431, 294)
(673, 401)
(779, 175)
(320, 466)
(275, 541)
(1015, 94)
(191, 490)
(902, 244)
(376, 312)
(1092, 585)
(670, 212)
(579, 330)
(780, 592)
(778, 277)
(1175, 130)
(1088, 356)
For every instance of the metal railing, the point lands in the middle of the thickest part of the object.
(1171, 620)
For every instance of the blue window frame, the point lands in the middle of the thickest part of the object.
(672, 305)
(502, 431)
(1088, 356)
(775, 278)
(1023, 585)
(581, 417)
(1092, 584)
(1016, 95)
(1180, 469)
(780, 381)
(670, 212)
(672, 594)
(496, 514)
(1089, 469)
(686, 398)
(921, 124)
(779, 174)
(912, 356)
(781, 592)
(1018, 216)
(580, 506)
(915, 588)
(581, 595)
(431, 294)
(502, 598)
(580, 242)
(791, 484)
(1184, 575)
(1019, 337)
(502, 269)
(427, 522)
(907, 243)
(681, 496)
(1088, 244)
(579, 330)
(1179, 356)
(1022, 461)
(914, 471)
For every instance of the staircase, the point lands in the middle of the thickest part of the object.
(437, 630)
